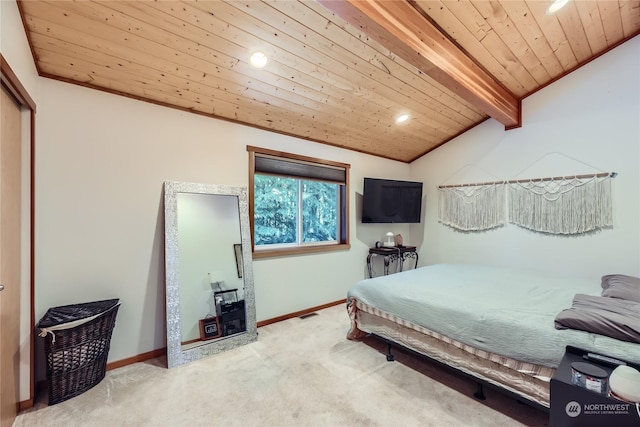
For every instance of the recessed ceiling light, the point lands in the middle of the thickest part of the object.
(402, 118)
(555, 6)
(258, 59)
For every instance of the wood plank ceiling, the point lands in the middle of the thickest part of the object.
(332, 77)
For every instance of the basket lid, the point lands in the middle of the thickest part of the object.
(69, 313)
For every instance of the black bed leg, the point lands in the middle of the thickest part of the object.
(479, 394)
(390, 357)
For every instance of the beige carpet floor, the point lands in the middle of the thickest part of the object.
(300, 372)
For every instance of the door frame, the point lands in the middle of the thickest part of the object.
(11, 82)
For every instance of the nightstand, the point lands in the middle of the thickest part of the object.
(574, 406)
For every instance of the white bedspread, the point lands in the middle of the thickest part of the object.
(507, 312)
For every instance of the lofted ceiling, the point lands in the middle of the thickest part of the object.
(339, 72)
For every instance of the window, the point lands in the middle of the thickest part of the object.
(297, 204)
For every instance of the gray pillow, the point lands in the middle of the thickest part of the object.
(621, 286)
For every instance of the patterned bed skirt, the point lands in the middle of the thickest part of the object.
(525, 379)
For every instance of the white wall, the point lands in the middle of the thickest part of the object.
(586, 122)
(15, 47)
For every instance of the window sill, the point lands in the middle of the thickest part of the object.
(306, 250)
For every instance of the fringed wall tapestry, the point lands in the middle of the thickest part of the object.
(562, 205)
(472, 207)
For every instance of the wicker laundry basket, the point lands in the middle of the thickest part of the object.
(77, 341)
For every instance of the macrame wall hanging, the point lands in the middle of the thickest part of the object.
(472, 207)
(562, 205)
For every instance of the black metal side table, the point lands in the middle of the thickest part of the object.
(392, 253)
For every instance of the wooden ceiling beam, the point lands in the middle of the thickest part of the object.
(401, 28)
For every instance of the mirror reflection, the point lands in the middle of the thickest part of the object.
(211, 293)
(210, 303)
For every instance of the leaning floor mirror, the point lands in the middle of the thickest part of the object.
(210, 302)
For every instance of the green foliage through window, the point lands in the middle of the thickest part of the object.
(290, 211)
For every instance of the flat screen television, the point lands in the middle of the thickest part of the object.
(390, 201)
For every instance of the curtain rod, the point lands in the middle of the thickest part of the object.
(515, 181)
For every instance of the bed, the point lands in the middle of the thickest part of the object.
(494, 324)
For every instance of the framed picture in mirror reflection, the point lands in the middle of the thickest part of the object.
(209, 328)
(237, 250)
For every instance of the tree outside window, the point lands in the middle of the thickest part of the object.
(299, 204)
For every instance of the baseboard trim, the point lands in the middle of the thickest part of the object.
(139, 358)
(24, 405)
(300, 313)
